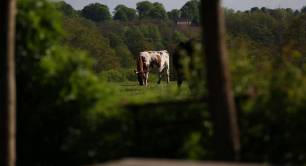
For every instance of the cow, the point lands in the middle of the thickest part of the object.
(146, 60)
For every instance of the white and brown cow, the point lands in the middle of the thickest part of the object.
(149, 59)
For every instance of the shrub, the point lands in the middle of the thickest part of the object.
(56, 87)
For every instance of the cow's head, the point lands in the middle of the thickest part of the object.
(141, 70)
(141, 76)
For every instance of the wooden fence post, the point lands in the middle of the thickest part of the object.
(220, 97)
(7, 83)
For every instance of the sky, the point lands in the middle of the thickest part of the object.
(177, 4)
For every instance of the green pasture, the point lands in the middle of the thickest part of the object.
(130, 92)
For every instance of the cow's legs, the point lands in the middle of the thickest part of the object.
(146, 79)
(168, 76)
(160, 75)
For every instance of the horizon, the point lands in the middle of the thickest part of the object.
(177, 4)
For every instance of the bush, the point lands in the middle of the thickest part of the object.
(274, 120)
(57, 89)
(113, 76)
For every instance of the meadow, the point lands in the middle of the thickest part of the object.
(131, 92)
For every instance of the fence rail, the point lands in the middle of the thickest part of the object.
(158, 162)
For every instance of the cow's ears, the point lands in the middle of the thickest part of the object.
(136, 71)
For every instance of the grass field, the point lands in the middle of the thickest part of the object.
(131, 92)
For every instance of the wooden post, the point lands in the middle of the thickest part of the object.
(7, 83)
(221, 100)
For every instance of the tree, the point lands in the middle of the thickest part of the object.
(150, 10)
(254, 9)
(152, 36)
(174, 14)
(289, 10)
(191, 11)
(158, 11)
(121, 50)
(84, 35)
(136, 46)
(144, 8)
(296, 33)
(264, 9)
(66, 9)
(96, 12)
(124, 13)
(303, 10)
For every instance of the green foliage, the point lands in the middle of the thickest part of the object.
(174, 15)
(124, 13)
(96, 12)
(158, 11)
(37, 25)
(296, 33)
(265, 26)
(193, 68)
(279, 130)
(80, 81)
(148, 10)
(247, 74)
(179, 37)
(82, 34)
(303, 10)
(112, 44)
(269, 118)
(66, 9)
(68, 105)
(152, 36)
(254, 9)
(193, 146)
(138, 45)
(144, 8)
(259, 26)
(56, 88)
(118, 75)
(191, 11)
(121, 50)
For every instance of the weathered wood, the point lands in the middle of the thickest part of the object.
(220, 97)
(159, 162)
(7, 83)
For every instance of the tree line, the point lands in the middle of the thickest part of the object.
(145, 10)
(114, 40)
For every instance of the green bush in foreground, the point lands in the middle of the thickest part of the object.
(56, 88)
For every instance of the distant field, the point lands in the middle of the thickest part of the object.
(131, 92)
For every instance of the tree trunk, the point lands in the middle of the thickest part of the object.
(7, 83)
(220, 97)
